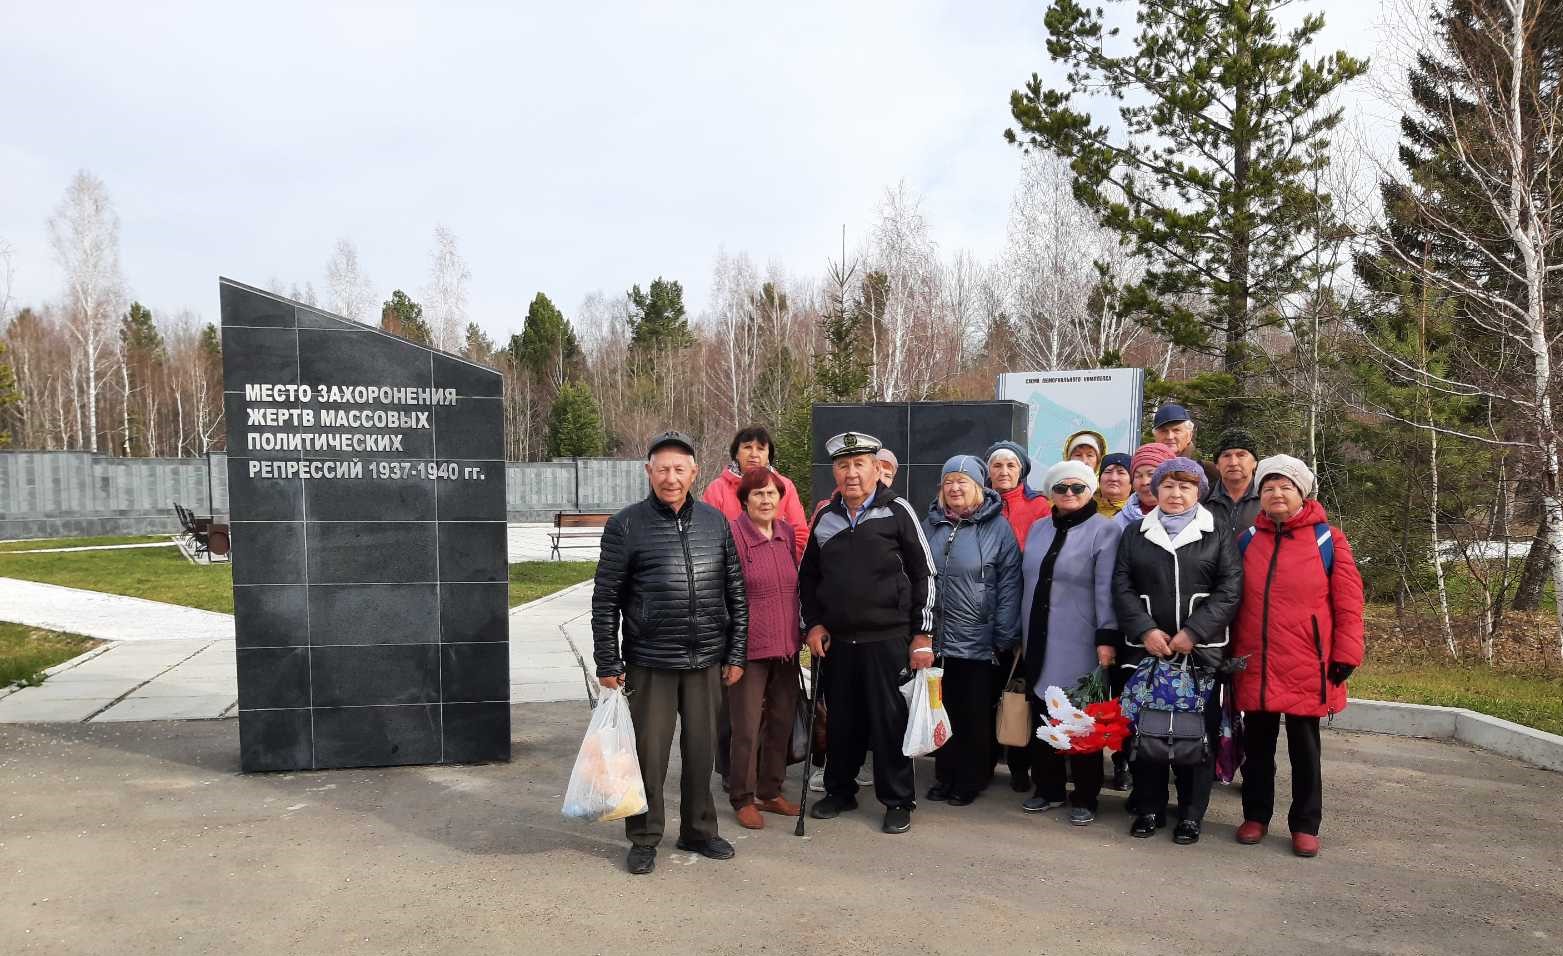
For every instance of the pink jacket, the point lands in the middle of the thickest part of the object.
(722, 494)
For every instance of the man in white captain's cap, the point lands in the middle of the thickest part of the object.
(867, 590)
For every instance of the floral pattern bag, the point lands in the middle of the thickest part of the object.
(1165, 685)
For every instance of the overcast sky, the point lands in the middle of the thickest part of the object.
(570, 147)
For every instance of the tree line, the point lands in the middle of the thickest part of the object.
(1188, 202)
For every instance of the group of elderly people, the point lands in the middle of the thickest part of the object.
(1230, 570)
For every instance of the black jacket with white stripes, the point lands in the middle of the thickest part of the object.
(869, 582)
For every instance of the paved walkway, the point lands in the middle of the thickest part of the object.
(145, 838)
(167, 662)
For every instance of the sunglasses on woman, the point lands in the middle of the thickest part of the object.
(1069, 489)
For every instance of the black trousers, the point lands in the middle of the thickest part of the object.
(1260, 730)
(1051, 770)
(867, 714)
(965, 763)
(1018, 759)
(1193, 783)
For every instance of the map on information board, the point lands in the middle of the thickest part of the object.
(1106, 400)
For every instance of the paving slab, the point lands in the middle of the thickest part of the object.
(143, 838)
(143, 707)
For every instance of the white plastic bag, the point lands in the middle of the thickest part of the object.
(927, 725)
(606, 782)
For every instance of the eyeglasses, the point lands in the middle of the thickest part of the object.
(1062, 489)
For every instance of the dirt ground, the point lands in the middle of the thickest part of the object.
(144, 838)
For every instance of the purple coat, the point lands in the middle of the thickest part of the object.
(1081, 609)
(770, 568)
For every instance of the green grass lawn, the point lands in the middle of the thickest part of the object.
(160, 574)
(531, 580)
(84, 542)
(1533, 699)
(25, 652)
(157, 574)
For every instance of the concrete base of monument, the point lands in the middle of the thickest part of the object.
(1454, 723)
(146, 834)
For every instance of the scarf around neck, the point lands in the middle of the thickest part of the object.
(1174, 524)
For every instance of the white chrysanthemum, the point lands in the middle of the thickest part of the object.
(1054, 736)
(1058, 705)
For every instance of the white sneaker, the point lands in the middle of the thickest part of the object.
(865, 776)
(817, 781)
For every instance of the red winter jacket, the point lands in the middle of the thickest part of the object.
(1295, 620)
(722, 494)
(1024, 507)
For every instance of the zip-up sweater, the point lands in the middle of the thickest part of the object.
(872, 581)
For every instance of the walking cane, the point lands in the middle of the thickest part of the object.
(808, 747)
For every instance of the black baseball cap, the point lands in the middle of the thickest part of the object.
(671, 438)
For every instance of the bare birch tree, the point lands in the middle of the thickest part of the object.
(445, 297)
(1502, 106)
(349, 293)
(84, 232)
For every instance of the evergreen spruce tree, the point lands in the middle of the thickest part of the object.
(574, 423)
(549, 349)
(402, 316)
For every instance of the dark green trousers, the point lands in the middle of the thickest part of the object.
(657, 699)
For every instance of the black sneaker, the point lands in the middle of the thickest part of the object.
(1145, 825)
(641, 860)
(1121, 779)
(897, 820)
(1186, 832)
(938, 793)
(962, 799)
(714, 848)
(1040, 805)
(1081, 816)
(830, 806)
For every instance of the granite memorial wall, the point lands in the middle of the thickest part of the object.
(367, 500)
(923, 435)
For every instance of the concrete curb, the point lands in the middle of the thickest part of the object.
(1536, 747)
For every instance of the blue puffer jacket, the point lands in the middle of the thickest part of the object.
(978, 610)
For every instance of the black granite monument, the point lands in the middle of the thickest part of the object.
(366, 483)
(923, 435)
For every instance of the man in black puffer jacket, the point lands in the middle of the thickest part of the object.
(669, 569)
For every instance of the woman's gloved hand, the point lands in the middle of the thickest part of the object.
(1339, 673)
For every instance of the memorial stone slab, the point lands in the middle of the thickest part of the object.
(923, 435)
(367, 499)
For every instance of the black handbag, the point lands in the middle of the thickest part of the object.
(798, 743)
(1172, 737)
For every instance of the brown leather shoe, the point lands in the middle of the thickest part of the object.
(749, 817)
(1251, 832)
(1305, 844)
(779, 805)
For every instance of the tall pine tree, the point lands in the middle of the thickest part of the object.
(1207, 172)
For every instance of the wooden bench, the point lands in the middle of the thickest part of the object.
(577, 529)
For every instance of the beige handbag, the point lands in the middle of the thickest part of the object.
(1013, 723)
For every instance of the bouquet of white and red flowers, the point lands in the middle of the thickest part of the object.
(1085, 720)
